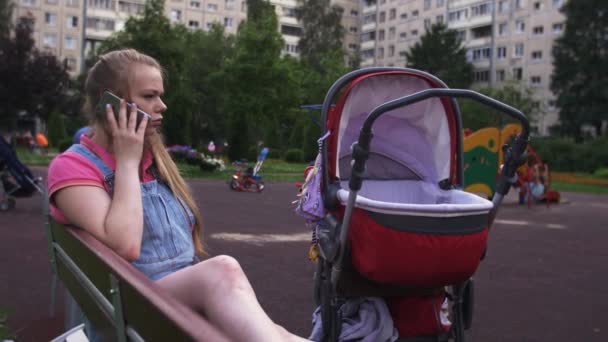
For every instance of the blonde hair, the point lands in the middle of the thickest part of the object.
(112, 72)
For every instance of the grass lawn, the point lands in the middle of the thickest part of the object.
(577, 187)
(273, 170)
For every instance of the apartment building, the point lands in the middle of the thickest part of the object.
(520, 32)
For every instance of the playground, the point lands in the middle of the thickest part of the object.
(542, 280)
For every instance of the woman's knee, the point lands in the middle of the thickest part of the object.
(229, 272)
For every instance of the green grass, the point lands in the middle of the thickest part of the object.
(4, 330)
(28, 158)
(577, 187)
(273, 170)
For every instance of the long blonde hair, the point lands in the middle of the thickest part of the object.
(112, 72)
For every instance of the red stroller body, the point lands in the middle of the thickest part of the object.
(398, 225)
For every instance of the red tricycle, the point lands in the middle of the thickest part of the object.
(246, 180)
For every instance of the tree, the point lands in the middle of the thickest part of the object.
(322, 31)
(580, 60)
(30, 81)
(476, 116)
(6, 18)
(440, 53)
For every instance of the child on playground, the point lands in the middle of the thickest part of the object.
(121, 185)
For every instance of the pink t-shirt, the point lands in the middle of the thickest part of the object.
(72, 169)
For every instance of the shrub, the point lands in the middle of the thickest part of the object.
(601, 172)
(56, 129)
(65, 144)
(274, 153)
(568, 156)
(294, 155)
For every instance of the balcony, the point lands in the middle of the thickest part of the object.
(369, 9)
(368, 27)
(370, 44)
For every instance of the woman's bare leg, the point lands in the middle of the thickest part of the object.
(219, 289)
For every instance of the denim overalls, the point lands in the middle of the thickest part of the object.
(166, 244)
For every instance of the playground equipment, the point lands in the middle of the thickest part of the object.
(483, 156)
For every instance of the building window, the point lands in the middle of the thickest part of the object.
(518, 74)
(403, 15)
(538, 30)
(482, 32)
(480, 10)
(72, 3)
(381, 35)
(458, 15)
(392, 14)
(102, 4)
(71, 21)
(503, 29)
(212, 7)
(368, 36)
(440, 3)
(195, 4)
(28, 3)
(557, 4)
(51, 2)
(227, 22)
(402, 53)
(558, 28)
(503, 6)
(414, 32)
(415, 13)
(520, 26)
(100, 24)
(520, 4)
(354, 13)
(50, 19)
(403, 35)
(537, 55)
(368, 19)
(382, 17)
(352, 46)
(501, 52)
(439, 19)
(381, 53)
(69, 43)
(367, 54)
(290, 12)
(71, 63)
(538, 6)
(481, 76)
(427, 5)
(353, 29)
(500, 75)
(427, 23)
(481, 53)
(49, 40)
(391, 33)
(193, 24)
(229, 4)
(461, 35)
(535, 80)
(176, 15)
(518, 52)
(289, 30)
(391, 51)
(131, 8)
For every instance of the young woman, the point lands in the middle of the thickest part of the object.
(121, 185)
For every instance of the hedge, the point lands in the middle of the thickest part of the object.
(567, 156)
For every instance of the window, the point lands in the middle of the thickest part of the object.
(520, 26)
(557, 4)
(381, 53)
(131, 8)
(427, 5)
(71, 21)
(353, 29)
(427, 23)
(518, 74)
(367, 54)
(100, 24)
(535, 80)
(28, 2)
(209, 26)
(50, 19)
(414, 32)
(503, 29)
(500, 75)
(402, 53)
(51, 2)
(481, 76)
(352, 46)
(439, 18)
(481, 53)
(501, 52)
(291, 48)
(440, 3)
(480, 10)
(368, 36)
(503, 6)
(72, 3)
(195, 4)
(193, 24)
(291, 12)
(538, 5)
(229, 4)
(391, 50)
(403, 35)
(519, 4)
(176, 15)
(518, 52)
(381, 35)
(462, 35)
(538, 30)
(415, 13)
(227, 22)
(537, 55)
(458, 15)
(71, 63)
(391, 33)
(291, 30)
(49, 40)
(392, 14)
(382, 17)
(69, 43)
(211, 7)
(403, 15)
(558, 28)
(368, 19)
(354, 13)
(482, 32)
(551, 104)
(102, 4)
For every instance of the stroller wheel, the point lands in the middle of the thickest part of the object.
(260, 186)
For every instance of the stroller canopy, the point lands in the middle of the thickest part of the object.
(416, 142)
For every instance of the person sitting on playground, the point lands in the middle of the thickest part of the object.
(534, 182)
(121, 186)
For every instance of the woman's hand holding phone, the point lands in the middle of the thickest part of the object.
(127, 136)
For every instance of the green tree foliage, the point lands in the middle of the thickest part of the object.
(259, 85)
(476, 116)
(440, 53)
(6, 16)
(30, 80)
(322, 32)
(56, 128)
(580, 59)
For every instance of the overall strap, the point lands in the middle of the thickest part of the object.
(108, 174)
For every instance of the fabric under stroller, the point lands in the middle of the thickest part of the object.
(16, 180)
(397, 224)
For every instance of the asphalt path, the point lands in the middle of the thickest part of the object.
(544, 277)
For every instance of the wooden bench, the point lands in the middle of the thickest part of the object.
(120, 301)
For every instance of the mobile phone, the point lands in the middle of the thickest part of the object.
(114, 101)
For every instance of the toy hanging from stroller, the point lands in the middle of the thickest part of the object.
(16, 180)
(395, 223)
(249, 179)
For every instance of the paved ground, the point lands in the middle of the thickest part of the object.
(544, 278)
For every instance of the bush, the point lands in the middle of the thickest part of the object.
(56, 129)
(274, 153)
(567, 156)
(294, 155)
(601, 173)
(65, 144)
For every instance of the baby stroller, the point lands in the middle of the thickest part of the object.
(16, 180)
(397, 224)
